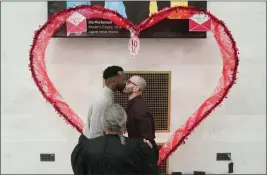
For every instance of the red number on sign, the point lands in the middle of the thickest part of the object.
(134, 45)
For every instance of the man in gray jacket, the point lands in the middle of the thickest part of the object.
(114, 81)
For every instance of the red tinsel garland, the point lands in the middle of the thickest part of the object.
(221, 33)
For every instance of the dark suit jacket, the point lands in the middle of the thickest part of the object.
(106, 155)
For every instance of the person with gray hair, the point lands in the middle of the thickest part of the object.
(112, 153)
(114, 121)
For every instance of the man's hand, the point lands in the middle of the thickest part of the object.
(148, 143)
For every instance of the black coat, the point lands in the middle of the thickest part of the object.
(106, 155)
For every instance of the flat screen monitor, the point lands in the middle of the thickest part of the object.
(135, 11)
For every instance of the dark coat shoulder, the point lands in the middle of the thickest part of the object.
(107, 155)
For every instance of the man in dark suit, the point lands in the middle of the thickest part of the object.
(140, 123)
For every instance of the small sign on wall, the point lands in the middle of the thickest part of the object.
(76, 24)
(199, 23)
(134, 45)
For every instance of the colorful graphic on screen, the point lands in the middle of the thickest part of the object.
(176, 25)
(154, 8)
(76, 3)
(113, 5)
(116, 6)
(120, 8)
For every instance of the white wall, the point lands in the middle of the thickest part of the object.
(30, 126)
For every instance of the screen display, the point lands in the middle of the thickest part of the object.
(136, 11)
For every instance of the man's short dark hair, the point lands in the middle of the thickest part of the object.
(112, 71)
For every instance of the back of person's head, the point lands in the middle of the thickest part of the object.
(114, 119)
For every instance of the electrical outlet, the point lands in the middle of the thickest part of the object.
(231, 167)
(223, 157)
(176, 173)
(47, 157)
(199, 173)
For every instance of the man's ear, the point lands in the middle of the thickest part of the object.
(114, 80)
(136, 88)
(120, 73)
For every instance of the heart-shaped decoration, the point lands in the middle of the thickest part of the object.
(220, 32)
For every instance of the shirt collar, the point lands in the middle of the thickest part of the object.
(109, 93)
(133, 100)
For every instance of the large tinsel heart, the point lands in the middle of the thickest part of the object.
(220, 32)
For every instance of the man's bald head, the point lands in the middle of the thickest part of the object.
(139, 81)
(135, 86)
